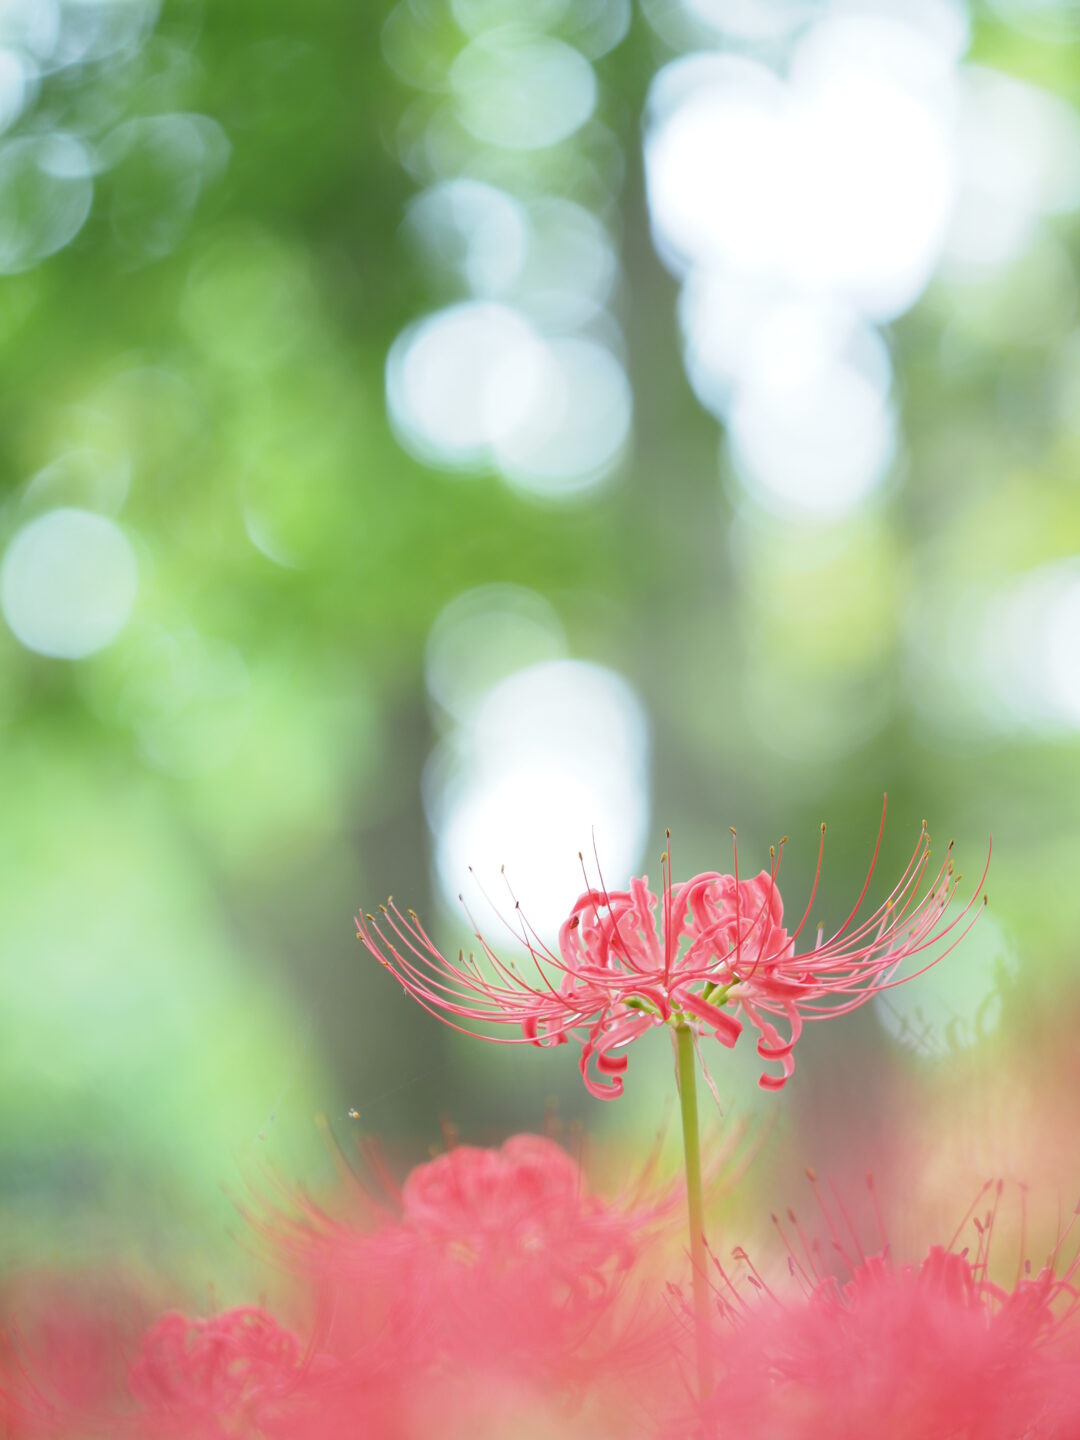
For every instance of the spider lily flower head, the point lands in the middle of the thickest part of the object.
(935, 1349)
(529, 1195)
(488, 1252)
(526, 1197)
(711, 953)
(492, 1290)
(522, 1213)
(236, 1373)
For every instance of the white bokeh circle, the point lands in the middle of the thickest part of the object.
(552, 760)
(68, 583)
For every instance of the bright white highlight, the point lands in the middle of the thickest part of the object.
(799, 212)
(872, 175)
(522, 92)
(476, 232)
(553, 754)
(811, 429)
(68, 583)
(714, 161)
(722, 313)
(575, 428)
(1019, 156)
(838, 179)
(476, 386)
(31, 25)
(439, 376)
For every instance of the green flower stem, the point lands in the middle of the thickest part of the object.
(692, 1157)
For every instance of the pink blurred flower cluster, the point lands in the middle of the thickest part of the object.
(497, 1295)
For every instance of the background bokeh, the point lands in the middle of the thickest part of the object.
(448, 434)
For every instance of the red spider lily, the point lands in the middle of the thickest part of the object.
(936, 1350)
(236, 1373)
(493, 1256)
(242, 1375)
(710, 954)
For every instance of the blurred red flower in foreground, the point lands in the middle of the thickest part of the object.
(496, 1296)
(499, 1255)
(491, 1295)
(492, 1287)
(930, 1351)
(235, 1373)
(711, 953)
